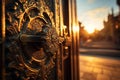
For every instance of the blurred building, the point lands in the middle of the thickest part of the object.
(112, 26)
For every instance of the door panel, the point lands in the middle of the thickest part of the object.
(40, 43)
(32, 40)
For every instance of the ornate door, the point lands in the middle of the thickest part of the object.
(38, 46)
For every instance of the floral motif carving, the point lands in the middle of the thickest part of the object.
(32, 41)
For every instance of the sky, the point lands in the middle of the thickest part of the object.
(92, 13)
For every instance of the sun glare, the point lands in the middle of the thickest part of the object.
(90, 27)
(90, 30)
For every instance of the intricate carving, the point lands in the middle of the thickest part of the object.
(32, 41)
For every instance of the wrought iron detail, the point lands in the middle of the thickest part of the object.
(32, 41)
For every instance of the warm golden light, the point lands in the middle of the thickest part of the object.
(116, 26)
(64, 27)
(91, 24)
(75, 28)
(91, 59)
(90, 29)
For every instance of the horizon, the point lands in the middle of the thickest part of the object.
(92, 13)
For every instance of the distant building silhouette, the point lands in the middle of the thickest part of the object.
(112, 26)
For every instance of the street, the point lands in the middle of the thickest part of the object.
(99, 68)
(100, 48)
(99, 61)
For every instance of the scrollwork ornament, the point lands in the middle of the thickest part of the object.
(32, 41)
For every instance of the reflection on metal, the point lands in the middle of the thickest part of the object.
(2, 40)
(38, 46)
(32, 40)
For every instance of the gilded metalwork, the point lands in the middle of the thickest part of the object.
(32, 40)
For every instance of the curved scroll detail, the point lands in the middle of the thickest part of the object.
(32, 41)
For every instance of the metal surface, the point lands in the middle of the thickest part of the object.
(32, 40)
(41, 43)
